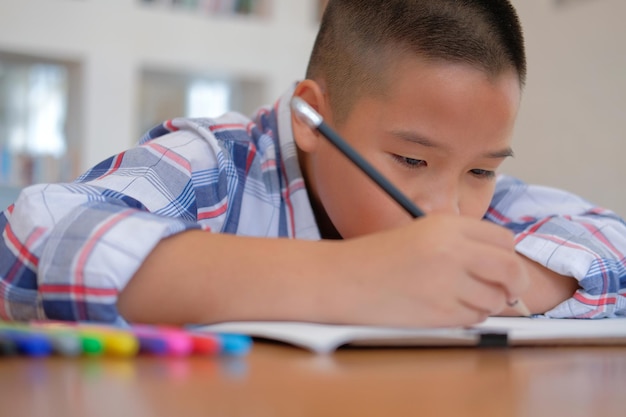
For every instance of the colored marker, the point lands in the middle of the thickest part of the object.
(230, 343)
(117, 341)
(151, 343)
(205, 343)
(178, 342)
(7, 346)
(64, 342)
(235, 344)
(28, 343)
(92, 343)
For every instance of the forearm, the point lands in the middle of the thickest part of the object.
(199, 277)
(572, 236)
(546, 288)
(408, 276)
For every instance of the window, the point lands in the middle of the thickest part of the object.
(166, 95)
(34, 144)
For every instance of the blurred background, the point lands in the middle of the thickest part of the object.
(81, 80)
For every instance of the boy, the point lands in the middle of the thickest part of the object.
(183, 228)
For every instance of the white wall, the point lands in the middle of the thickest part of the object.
(571, 131)
(572, 126)
(113, 39)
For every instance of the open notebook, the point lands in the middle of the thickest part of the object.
(495, 331)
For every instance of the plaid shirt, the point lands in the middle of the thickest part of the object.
(67, 250)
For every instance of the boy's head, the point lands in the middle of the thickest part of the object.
(426, 90)
(359, 39)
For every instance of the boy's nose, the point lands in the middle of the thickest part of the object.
(442, 201)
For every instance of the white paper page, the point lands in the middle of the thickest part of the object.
(323, 338)
(543, 331)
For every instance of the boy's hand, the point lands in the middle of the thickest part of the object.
(547, 288)
(438, 271)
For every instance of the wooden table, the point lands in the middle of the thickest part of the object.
(277, 380)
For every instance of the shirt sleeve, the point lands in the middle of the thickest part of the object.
(67, 250)
(572, 237)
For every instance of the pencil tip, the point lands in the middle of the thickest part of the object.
(520, 307)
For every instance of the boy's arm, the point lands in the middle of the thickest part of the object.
(66, 250)
(436, 271)
(575, 252)
(546, 290)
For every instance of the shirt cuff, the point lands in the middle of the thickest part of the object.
(91, 255)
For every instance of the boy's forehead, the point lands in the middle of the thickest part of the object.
(412, 74)
(419, 65)
(434, 99)
(426, 104)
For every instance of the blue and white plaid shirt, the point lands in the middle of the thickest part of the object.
(67, 250)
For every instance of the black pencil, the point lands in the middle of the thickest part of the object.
(315, 121)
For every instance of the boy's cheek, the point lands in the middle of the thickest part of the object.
(476, 204)
(368, 219)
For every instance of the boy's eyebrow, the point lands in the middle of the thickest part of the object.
(415, 138)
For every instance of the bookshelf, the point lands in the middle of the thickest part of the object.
(255, 8)
(114, 50)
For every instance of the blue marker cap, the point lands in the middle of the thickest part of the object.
(28, 342)
(235, 344)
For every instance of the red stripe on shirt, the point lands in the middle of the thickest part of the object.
(600, 301)
(249, 128)
(287, 196)
(172, 156)
(270, 163)
(77, 289)
(203, 215)
(251, 155)
(532, 230)
(597, 233)
(296, 185)
(227, 126)
(84, 254)
(23, 254)
(170, 126)
(495, 213)
(117, 162)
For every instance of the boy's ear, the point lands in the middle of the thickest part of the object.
(307, 138)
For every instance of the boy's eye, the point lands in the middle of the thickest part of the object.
(409, 162)
(483, 173)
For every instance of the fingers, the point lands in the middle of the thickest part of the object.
(489, 233)
(483, 297)
(439, 271)
(494, 274)
(499, 268)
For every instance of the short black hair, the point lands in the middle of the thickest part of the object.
(358, 39)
